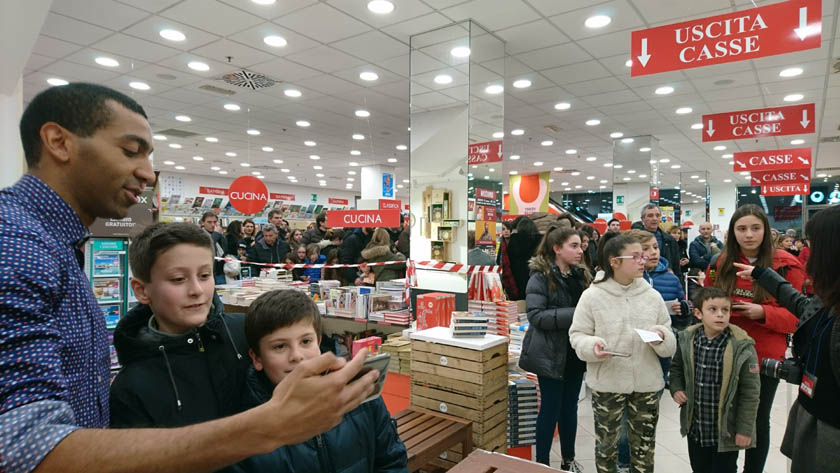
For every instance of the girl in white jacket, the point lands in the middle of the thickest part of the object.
(609, 311)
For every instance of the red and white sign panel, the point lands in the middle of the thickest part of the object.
(779, 28)
(781, 159)
(773, 121)
(212, 190)
(282, 196)
(785, 189)
(248, 194)
(654, 193)
(386, 204)
(786, 176)
(487, 152)
(335, 201)
(363, 218)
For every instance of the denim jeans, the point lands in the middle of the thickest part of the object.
(558, 408)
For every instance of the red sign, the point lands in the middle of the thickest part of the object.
(489, 213)
(786, 176)
(248, 194)
(786, 189)
(385, 204)
(509, 218)
(212, 190)
(363, 218)
(654, 193)
(487, 152)
(773, 121)
(338, 201)
(773, 160)
(792, 212)
(779, 28)
(282, 196)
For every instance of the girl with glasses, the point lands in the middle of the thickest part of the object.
(622, 370)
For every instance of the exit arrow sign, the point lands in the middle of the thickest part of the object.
(760, 122)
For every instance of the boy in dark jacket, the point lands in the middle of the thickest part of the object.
(283, 329)
(715, 379)
(183, 358)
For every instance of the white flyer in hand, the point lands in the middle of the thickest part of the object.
(648, 336)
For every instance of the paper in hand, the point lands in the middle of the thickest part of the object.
(668, 305)
(648, 336)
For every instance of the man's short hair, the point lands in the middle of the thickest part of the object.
(648, 207)
(158, 238)
(705, 293)
(79, 107)
(321, 218)
(640, 236)
(208, 214)
(269, 227)
(334, 233)
(613, 220)
(278, 309)
(272, 212)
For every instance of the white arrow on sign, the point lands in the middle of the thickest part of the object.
(756, 180)
(802, 31)
(743, 166)
(805, 120)
(645, 57)
(804, 161)
(804, 177)
(711, 129)
(499, 153)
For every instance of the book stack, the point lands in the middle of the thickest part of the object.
(434, 309)
(467, 325)
(523, 405)
(397, 317)
(500, 314)
(342, 302)
(400, 350)
(517, 335)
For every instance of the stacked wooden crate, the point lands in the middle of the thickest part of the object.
(465, 378)
(400, 350)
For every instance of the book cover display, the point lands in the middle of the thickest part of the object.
(106, 266)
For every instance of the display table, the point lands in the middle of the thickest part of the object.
(481, 461)
(427, 435)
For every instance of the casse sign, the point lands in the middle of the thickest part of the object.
(248, 194)
(363, 218)
(791, 176)
(783, 159)
(775, 121)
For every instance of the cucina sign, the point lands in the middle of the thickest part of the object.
(248, 195)
(389, 218)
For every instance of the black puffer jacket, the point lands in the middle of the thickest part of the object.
(172, 381)
(276, 253)
(546, 350)
(351, 253)
(366, 441)
(521, 247)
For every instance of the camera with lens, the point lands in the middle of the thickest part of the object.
(789, 370)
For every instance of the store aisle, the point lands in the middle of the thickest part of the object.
(671, 448)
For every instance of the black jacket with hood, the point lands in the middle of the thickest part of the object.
(350, 252)
(365, 441)
(521, 247)
(177, 380)
(546, 350)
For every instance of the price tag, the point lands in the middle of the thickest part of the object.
(444, 361)
(443, 407)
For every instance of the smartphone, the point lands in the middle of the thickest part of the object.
(379, 363)
(615, 353)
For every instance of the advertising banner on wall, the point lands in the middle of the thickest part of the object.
(529, 193)
(387, 185)
(139, 217)
(485, 232)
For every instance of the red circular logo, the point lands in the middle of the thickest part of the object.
(248, 194)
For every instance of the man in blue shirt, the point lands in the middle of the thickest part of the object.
(88, 150)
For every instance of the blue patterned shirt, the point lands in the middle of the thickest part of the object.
(53, 342)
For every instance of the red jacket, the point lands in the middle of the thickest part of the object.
(769, 334)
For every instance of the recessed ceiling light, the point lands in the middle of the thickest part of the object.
(198, 158)
(664, 160)
(607, 165)
(260, 176)
(314, 157)
(697, 126)
(215, 168)
(320, 174)
(355, 152)
(793, 97)
(172, 35)
(727, 156)
(719, 148)
(618, 166)
(731, 163)
(352, 173)
(616, 134)
(198, 66)
(292, 93)
(174, 146)
(183, 118)
(392, 160)
(664, 90)
(443, 79)
(591, 158)
(400, 186)
(302, 123)
(211, 139)
(358, 136)
(597, 21)
(406, 181)
(571, 151)
(380, 7)
(253, 131)
(745, 174)
(230, 154)
(498, 134)
(255, 173)
(460, 51)
(822, 174)
(628, 63)
(564, 183)
(362, 113)
(797, 141)
(791, 72)
(159, 137)
(575, 173)
(169, 163)
(267, 149)
(522, 84)
(322, 183)
(245, 165)
(275, 41)
(513, 173)
(514, 157)
(558, 169)
(264, 2)
(223, 172)
(683, 110)
(699, 180)
(593, 122)
(590, 178)
(644, 149)
(402, 147)
(317, 167)
(494, 89)
(139, 85)
(603, 181)
(232, 107)
(562, 106)
(369, 76)
(517, 132)
(538, 163)
(353, 163)
(56, 81)
(310, 143)
(351, 179)
(277, 161)
(547, 143)
(626, 178)
(727, 180)
(695, 176)
(107, 61)
(675, 166)
(631, 171)
(284, 170)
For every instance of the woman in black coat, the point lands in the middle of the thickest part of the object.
(554, 288)
(521, 247)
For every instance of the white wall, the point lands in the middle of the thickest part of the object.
(722, 196)
(636, 196)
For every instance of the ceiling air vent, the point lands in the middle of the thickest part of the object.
(216, 90)
(830, 139)
(554, 128)
(248, 80)
(177, 133)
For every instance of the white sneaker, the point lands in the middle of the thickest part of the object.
(571, 466)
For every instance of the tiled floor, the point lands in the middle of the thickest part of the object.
(671, 449)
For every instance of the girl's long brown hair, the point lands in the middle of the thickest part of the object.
(545, 250)
(726, 278)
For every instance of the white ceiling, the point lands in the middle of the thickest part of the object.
(331, 41)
